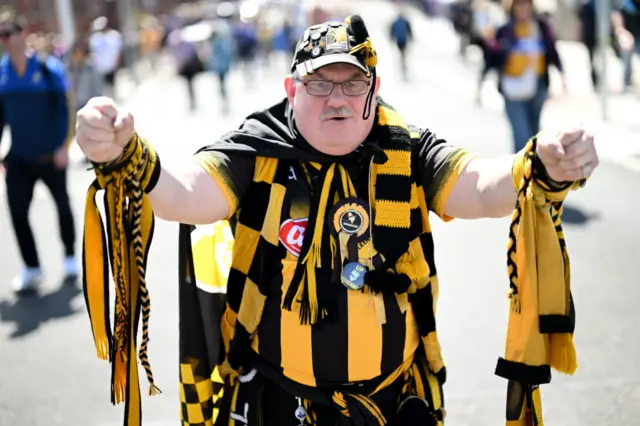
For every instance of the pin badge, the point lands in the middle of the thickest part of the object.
(353, 275)
(351, 217)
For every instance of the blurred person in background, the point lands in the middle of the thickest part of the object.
(401, 35)
(189, 63)
(245, 34)
(221, 58)
(522, 54)
(629, 20)
(106, 45)
(86, 82)
(487, 18)
(151, 35)
(622, 41)
(461, 16)
(36, 104)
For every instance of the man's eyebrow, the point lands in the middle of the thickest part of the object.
(355, 74)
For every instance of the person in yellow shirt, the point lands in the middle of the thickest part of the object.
(522, 53)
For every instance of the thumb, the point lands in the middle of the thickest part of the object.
(558, 150)
(123, 126)
(121, 120)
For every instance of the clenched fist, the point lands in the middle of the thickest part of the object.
(103, 130)
(568, 155)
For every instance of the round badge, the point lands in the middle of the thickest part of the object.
(353, 275)
(351, 216)
(316, 51)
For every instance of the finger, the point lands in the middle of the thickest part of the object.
(551, 152)
(108, 109)
(577, 162)
(97, 119)
(570, 137)
(576, 150)
(94, 135)
(122, 120)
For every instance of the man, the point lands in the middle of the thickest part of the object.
(329, 311)
(629, 15)
(35, 104)
(622, 40)
(401, 34)
(106, 45)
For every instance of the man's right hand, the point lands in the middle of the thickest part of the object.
(103, 130)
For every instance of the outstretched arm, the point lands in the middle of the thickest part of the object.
(459, 186)
(192, 193)
(485, 189)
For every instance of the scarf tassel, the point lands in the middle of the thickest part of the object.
(304, 287)
(95, 280)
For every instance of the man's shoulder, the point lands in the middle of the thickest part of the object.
(420, 135)
(54, 65)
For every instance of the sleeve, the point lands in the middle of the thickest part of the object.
(2, 122)
(438, 166)
(233, 174)
(554, 55)
(499, 48)
(66, 104)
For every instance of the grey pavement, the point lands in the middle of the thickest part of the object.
(49, 373)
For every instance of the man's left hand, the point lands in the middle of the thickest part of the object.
(569, 155)
(61, 158)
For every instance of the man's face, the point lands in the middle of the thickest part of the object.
(332, 123)
(12, 39)
(522, 9)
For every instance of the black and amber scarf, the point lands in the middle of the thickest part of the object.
(125, 246)
(263, 134)
(542, 315)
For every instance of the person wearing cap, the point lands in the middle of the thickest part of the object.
(324, 313)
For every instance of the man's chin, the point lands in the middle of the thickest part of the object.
(335, 147)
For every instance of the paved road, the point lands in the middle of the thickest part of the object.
(49, 372)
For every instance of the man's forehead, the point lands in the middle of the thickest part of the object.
(339, 70)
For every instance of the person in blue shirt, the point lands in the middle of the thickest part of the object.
(223, 51)
(401, 34)
(34, 103)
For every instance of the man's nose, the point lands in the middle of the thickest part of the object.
(337, 97)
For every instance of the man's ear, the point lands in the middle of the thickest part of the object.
(290, 88)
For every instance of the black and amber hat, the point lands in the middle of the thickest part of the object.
(335, 42)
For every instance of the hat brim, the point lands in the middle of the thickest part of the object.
(312, 65)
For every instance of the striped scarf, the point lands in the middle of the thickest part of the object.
(391, 225)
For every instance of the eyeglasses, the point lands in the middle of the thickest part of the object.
(325, 87)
